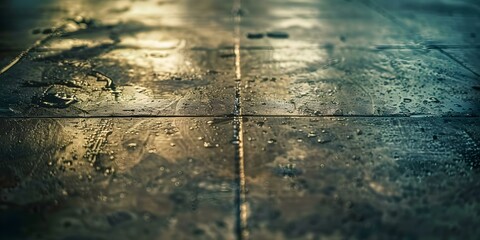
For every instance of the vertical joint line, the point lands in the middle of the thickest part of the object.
(240, 198)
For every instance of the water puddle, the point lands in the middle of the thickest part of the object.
(255, 35)
(57, 99)
(278, 35)
(109, 85)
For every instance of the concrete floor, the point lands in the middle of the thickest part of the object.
(239, 119)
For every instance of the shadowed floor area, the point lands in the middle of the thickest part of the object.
(239, 119)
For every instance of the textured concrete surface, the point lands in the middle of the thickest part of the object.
(239, 119)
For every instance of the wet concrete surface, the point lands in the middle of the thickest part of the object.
(357, 82)
(351, 119)
(168, 178)
(362, 178)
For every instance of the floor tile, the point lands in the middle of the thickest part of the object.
(467, 58)
(239, 119)
(317, 23)
(106, 80)
(356, 82)
(434, 21)
(362, 178)
(145, 178)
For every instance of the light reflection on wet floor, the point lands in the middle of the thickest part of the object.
(358, 119)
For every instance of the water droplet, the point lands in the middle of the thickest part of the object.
(433, 100)
(68, 162)
(271, 141)
(323, 140)
(108, 171)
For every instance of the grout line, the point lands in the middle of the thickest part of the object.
(386, 14)
(361, 116)
(243, 116)
(439, 47)
(240, 198)
(122, 116)
(442, 51)
(384, 47)
(425, 46)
